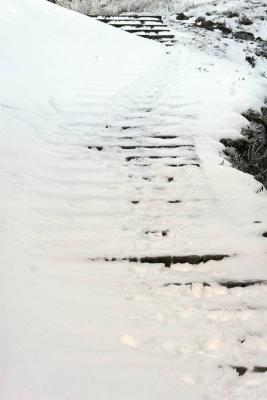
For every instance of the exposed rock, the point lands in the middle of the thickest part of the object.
(251, 60)
(231, 14)
(223, 28)
(245, 20)
(243, 35)
(262, 48)
(201, 22)
(182, 17)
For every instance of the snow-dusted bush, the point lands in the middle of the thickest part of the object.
(120, 6)
(250, 154)
(252, 161)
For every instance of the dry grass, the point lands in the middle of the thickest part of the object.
(252, 158)
(115, 7)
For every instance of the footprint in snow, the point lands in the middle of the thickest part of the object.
(129, 341)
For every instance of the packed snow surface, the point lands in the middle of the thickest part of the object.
(84, 175)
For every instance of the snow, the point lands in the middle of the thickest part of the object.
(75, 329)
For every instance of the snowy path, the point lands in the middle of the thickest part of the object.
(133, 172)
(141, 189)
(141, 164)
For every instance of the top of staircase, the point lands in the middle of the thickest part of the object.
(149, 26)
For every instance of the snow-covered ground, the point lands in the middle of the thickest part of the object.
(78, 329)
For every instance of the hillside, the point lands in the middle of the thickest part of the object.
(116, 7)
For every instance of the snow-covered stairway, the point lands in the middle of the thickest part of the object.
(152, 164)
(155, 175)
(172, 218)
(159, 242)
(133, 257)
(209, 290)
(147, 26)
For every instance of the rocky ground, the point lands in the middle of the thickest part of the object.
(215, 26)
(235, 29)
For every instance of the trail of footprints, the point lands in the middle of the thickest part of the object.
(150, 160)
(151, 152)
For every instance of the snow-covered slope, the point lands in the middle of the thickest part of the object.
(52, 58)
(44, 41)
(74, 329)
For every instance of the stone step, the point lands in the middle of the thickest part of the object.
(151, 157)
(121, 17)
(168, 43)
(166, 260)
(147, 31)
(167, 179)
(243, 370)
(156, 36)
(137, 146)
(172, 165)
(138, 24)
(135, 25)
(162, 233)
(168, 146)
(146, 26)
(115, 141)
(143, 15)
(164, 137)
(229, 284)
(136, 202)
(126, 127)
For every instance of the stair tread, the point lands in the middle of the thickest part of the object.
(145, 26)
